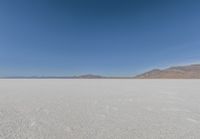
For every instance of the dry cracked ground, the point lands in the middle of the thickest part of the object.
(99, 109)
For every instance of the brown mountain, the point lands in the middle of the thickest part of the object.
(179, 72)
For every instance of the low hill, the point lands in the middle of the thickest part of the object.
(89, 76)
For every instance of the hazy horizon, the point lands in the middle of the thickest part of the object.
(103, 37)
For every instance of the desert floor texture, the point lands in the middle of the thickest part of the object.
(99, 109)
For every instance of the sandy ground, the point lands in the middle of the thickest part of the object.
(99, 109)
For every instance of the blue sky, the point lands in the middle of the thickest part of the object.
(107, 37)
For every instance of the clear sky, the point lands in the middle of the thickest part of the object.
(107, 37)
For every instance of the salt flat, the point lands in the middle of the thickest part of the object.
(99, 109)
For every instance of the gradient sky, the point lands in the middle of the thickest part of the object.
(107, 37)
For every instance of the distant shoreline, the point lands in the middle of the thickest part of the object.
(65, 78)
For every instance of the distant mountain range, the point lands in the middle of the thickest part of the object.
(178, 72)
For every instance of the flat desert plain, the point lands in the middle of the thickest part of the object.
(99, 109)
